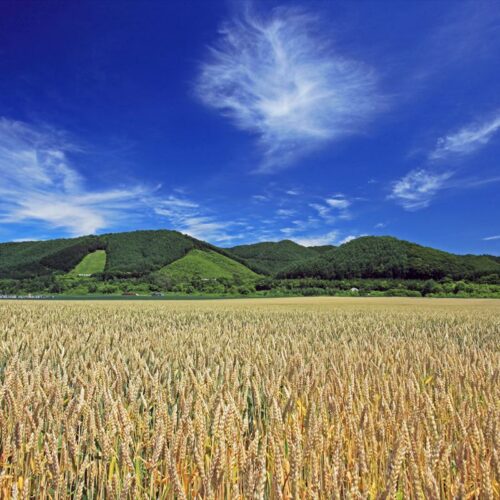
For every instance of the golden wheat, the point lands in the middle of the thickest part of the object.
(293, 398)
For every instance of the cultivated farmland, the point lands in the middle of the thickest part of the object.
(284, 398)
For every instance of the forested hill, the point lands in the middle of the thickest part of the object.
(388, 257)
(273, 257)
(142, 253)
(137, 252)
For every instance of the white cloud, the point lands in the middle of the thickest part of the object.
(333, 208)
(417, 188)
(175, 201)
(324, 239)
(467, 140)
(490, 238)
(279, 78)
(23, 240)
(340, 203)
(285, 212)
(260, 197)
(189, 217)
(38, 184)
(288, 231)
(349, 238)
(323, 211)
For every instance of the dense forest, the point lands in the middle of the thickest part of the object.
(168, 262)
(273, 257)
(387, 257)
(137, 253)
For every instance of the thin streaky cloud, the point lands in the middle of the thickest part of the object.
(340, 203)
(491, 238)
(350, 237)
(38, 184)
(329, 238)
(191, 218)
(418, 188)
(468, 139)
(474, 182)
(280, 79)
(323, 211)
(285, 212)
(333, 208)
(260, 197)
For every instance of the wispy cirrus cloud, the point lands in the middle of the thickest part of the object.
(417, 188)
(285, 212)
(333, 208)
(281, 79)
(338, 202)
(329, 238)
(190, 217)
(350, 237)
(468, 139)
(38, 184)
(320, 226)
(491, 238)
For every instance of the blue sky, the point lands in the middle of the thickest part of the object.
(238, 122)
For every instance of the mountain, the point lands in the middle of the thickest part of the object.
(137, 252)
(388, 257)
(177, 256)
(271, 258)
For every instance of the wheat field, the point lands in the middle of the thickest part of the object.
(285, 398)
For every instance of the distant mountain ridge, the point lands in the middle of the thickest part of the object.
(140, 253)
(274, 257)
(389, 257)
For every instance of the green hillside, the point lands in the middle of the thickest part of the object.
(199, 264)
(38, 258)
(272, 257)
(138, 252)
(92, 263)
(322, 248)
(387, 257)
(141, 252)
(136, 257)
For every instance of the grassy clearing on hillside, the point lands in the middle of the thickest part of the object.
(286, 398)
(92, 263)
(198, 264)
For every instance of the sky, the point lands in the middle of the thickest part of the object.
(238, 122)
